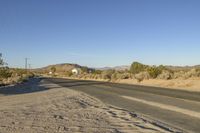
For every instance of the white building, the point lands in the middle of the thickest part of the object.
(75, 71)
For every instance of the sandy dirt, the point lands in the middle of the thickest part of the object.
(181, 84)
(49, 108)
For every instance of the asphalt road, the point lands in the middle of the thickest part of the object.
(180, 109)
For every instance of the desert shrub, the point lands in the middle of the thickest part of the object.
(126, 76)
(154, 71)
(114, 76)
(2, 63)
(141, 76)
(22, 79)
(84, 70)
(166, 75)
(97, 76)
(5, 73)
(198, 72)
(191, 73)
(53, 69)
(123, 75)
(178, 74)
(107, 74)
(19, 72)
(97, 72)
(1, 60)
(69, 73)
(137, 67)
(162, 68)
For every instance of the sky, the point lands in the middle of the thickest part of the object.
(99, 33)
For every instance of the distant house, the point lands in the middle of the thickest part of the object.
(50, 73)
(76, 71)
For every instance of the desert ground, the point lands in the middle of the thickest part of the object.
(192, 84)
(43, 107)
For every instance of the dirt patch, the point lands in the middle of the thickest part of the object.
(66, 111)
(181, 84)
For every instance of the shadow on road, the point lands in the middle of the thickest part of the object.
(73, 83)
(33, 85)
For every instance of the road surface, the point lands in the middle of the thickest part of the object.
(180, 109)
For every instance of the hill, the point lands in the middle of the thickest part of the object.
(123, 67)
(60, 68)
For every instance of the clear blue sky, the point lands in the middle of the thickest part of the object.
(100, 33)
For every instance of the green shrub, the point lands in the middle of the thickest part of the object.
(97, 72)
(1, 60)
(154, 71)
(53, 69)
(69, 73)
(84, 69)
(5, 73)
(137, 67)
(19, 72)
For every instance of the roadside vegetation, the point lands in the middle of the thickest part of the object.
(12, 75)
(137, 71)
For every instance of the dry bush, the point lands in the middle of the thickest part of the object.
(141, 76)
(124, 76)
(97, 76)
(114, 76)
(69, 73)
(166, 75)
(192, 73)
(198, 72)
(179, 74)
(108, 74)
(186, 74)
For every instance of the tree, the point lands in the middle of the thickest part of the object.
(4, 71)
(84, 69)
(1, 60)
(53, 69)
(137, 67)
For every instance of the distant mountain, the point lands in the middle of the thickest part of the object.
(60, 67)
(126, 67)
(183, 67)
(123, 67)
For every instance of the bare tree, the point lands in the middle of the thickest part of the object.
(2, 63)
(1, 60)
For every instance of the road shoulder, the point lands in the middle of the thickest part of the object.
(60, 109)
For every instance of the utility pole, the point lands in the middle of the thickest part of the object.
(26, 64)
(29, 66)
